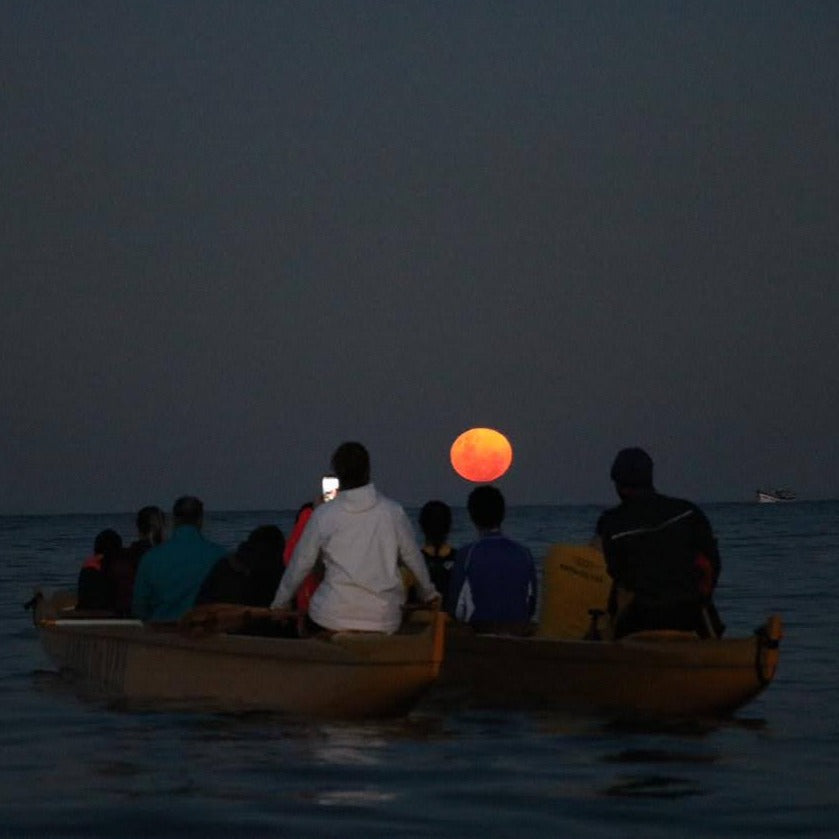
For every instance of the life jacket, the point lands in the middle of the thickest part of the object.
(93, 562)
(95, 589)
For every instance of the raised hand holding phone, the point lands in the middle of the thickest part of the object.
(329, 487)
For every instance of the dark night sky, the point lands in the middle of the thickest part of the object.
(233, 235)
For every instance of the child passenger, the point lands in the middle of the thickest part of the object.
(435, 521)
(493, 584)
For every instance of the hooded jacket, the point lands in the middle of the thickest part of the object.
(361, 537)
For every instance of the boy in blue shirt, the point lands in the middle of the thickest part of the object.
(493, 585)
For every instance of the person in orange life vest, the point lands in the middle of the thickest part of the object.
(95, 585)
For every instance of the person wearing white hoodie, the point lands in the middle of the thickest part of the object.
(361, 537)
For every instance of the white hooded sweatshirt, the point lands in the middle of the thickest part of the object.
(360, 536)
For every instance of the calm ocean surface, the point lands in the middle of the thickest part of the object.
(70, 769)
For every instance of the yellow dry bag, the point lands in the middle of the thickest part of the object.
(574, 580)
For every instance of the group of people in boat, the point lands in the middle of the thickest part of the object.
(351, 563)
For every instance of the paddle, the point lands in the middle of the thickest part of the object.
(210, 618)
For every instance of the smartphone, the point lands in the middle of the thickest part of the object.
(328, 487)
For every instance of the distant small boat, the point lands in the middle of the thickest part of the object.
(773, 496)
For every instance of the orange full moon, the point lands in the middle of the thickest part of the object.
(481, 455)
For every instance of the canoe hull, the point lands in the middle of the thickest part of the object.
(660, 675)
(355, 675)
(351, 675)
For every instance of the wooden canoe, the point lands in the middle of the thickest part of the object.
(347, 675)
(649, 674)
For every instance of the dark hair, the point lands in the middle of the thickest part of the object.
(435, 520)
(261, 555)
(108, 543)
(351, 463)
(188, 510)
(486, 507)
(267, 537)
(632, 467)
(149, 518)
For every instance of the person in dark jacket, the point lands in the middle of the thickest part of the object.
(96, 584)
(251, 575)
(660, 553)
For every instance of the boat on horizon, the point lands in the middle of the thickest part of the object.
(774, 496)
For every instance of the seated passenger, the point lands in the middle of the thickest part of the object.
(150, 522)
(661, 554)
(96, 584)
(361, 536)
(435, 521)
(312, 581)
(493, 585)
(170, 575)
(249, 576)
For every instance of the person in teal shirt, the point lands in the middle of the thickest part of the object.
(171, 574)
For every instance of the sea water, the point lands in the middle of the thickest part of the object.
(75, 769)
